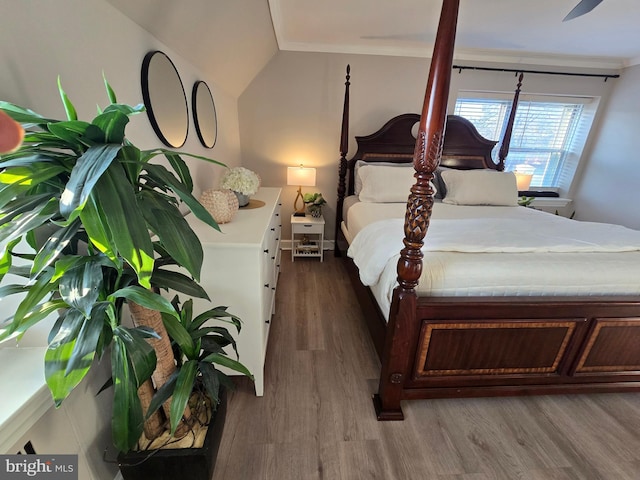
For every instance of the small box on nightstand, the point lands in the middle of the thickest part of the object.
(307, 237)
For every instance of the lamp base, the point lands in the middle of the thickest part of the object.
(299, 212)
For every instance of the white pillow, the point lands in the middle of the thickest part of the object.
(386, 184)
(480, 187)
(357, 181)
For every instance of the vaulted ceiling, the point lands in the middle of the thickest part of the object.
(232, 40)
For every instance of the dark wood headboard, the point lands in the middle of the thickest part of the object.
(464, 148)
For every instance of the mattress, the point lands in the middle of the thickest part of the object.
(510, 257)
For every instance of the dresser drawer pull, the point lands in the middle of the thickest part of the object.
(266, 251)
(266, 285)
(267, 321)
(273, 229)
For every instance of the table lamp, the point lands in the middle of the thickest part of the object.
(524, 174)
(302, 177)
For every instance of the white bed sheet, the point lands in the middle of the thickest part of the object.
(524, 273)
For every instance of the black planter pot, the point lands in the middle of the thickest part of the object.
(187, 463)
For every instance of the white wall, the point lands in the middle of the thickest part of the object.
(610, 187)
(291, 112)
(78, 40)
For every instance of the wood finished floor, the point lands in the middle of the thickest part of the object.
(316, 419)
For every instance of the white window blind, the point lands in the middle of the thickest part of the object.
(544, 134)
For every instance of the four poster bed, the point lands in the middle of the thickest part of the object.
(470, 298)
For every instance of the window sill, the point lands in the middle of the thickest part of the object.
(27, 396)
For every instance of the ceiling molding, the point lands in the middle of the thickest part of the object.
(477, 55)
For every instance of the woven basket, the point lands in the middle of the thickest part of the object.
(221, 204)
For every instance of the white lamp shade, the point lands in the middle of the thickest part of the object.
(524, 174)
(301, 176)
(523, 180)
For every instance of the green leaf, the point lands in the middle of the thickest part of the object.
(23, 115)
(55, 365)
(66, 328)
(81, 286)
(211, 381)
(177, 281)
(141, 355)
(36, 292)
(225, 337)
(112, 124)
(38, 313)
(70, 132)
(129, 157)
(181, 169)
(97, 228)
(162, 394)
(110, 93)
(145, 298)
(182, 392)
(117, 200)
(162, 175)
(126, 109)
(22, 179)
(179, 334)
(88, 337)
(6, 258)
(68, 106)
(175, 234)
(126, 419)
(85, 174)
(69, 262)
(54, 246)
(225, 361)
(219, 313)
(28, 221)
(21, 205)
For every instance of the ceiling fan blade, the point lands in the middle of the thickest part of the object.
(585, 6)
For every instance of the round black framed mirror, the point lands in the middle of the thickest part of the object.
(165, 99)
(204, 114)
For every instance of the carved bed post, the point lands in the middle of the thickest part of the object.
(402, 316)
(506, 139)
(342, 172)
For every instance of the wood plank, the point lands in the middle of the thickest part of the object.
(316, 420)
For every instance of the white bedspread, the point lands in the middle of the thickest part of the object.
(507, 251)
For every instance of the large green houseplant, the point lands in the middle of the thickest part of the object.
(105, 230)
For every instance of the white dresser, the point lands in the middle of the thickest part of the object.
(240, 270)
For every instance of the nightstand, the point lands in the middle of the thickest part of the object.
(307, 236)
(559, 206)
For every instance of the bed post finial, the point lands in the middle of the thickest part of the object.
(342, 169)
(403, 324)
(506, 139)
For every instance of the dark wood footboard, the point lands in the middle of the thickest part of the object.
(473, 347)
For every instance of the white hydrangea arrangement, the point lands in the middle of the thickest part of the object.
(241, 180)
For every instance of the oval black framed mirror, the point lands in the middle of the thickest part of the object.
(165, 99)
(204, 114)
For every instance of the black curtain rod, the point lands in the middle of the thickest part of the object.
(572, 74)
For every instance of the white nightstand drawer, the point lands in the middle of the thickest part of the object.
(309, 228)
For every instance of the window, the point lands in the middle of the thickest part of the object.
(548, 133)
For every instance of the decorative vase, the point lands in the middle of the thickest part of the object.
(221, 204)
(243, 200)
(315, 211)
